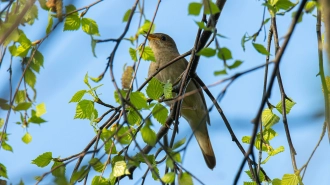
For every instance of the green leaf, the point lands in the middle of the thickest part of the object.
(96, 164)
(3, 171)
(4, 105)
(35, 119)
(40, 109)
(261, 49)
(89, 26)
(201, 25)
(20, 96)
(179, 143)
(27, 138)
(127, 14)
(276, 151)
(291, 179)
(168, 177)
(30, 78)
(236, 64)
(185, 179)
(284, 4)
(109, 145)
(99, 180)
(132, 53)
(6, 146)
(288, 106)
(43, 159)
(210, 7)
(145, 27)
(224, 54)
(310, 6)
(31, 15)
(125, 135)
(249, 183)
(78, 96)
(246, 139)
(194, 8)
(72, 21)
(269, 134)
(84, 109)
(160, 113)
(276, 181)
(154, 89)
(133, 117)
(117, 97)
(147, 54)
(300, 18)
(22, 106)
(2, 121)
(93, 45)
(207, 52)
(221, 72)
(79, 175)
(120, 169)
(138, 100)
(168, 90)
(50, 23)
(24, 47)
(148, 135)
(60, 171)
(268, 118)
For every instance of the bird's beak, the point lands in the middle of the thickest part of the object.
(152, 37)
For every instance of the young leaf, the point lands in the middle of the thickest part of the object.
(96, 164)
(210, 7)
(30, 78)
(160, 113)
(6, 146)
(168, 177)
(110, 147)
(288, 106)
(35, 119)
(145, 27)
(235, 64)
(117, 97)
(310, 6)
(72, 21)
(268, 118)
(120, 169)
(89, 26)
(3, 171)
(20, 96)
(194, 8)
(147, 54)
(260, 48)
(276, 151)
(133, 117)
(154, 89)
(168, 90)
(276, 181)
(207, 52)
(50, 23)
(40, 109)
(290, 179)
(93, 45)
(27, 138)
(77, 96)
(138, 100)
(148, 135)
(185, 179)
(127, 14)
(84, 109)
(221, 72)
(224, 54)
(43, 159)
(179, 143)
(59, 171)
(99, 180)
(22, 106)
(132, 53)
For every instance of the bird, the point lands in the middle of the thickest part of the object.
(193, 107)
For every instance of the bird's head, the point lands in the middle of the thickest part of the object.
(162, 42)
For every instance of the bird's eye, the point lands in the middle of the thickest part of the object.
(163, 38)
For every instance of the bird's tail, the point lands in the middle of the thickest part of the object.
(204, 142)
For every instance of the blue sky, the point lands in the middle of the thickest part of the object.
(68, 58)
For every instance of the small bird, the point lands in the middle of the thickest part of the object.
(194, 108)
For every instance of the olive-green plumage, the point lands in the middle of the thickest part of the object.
(194, 108)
